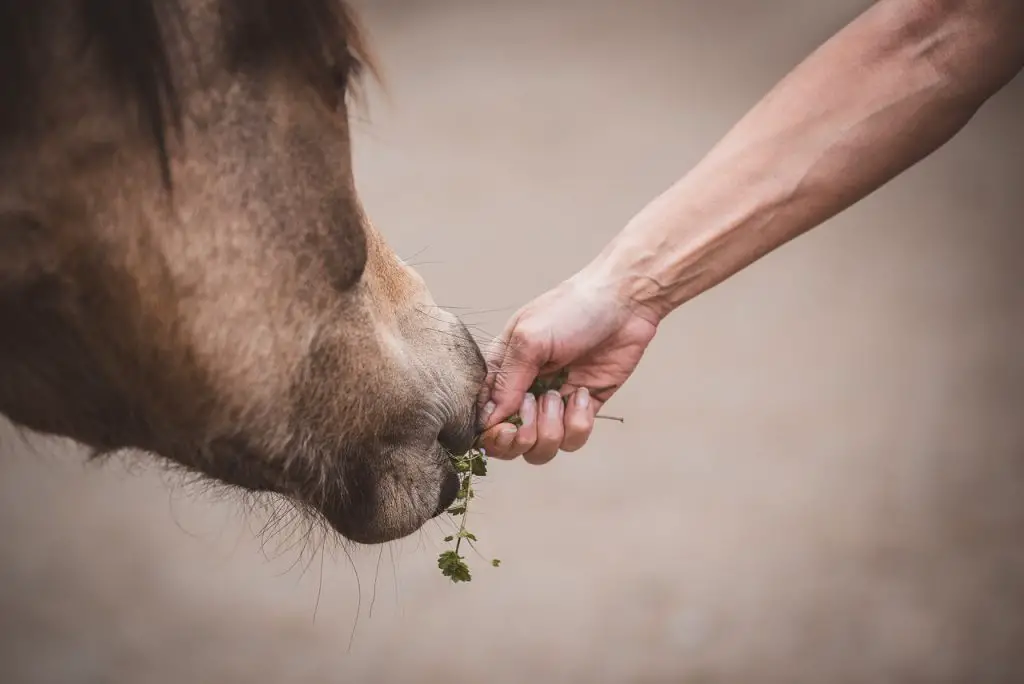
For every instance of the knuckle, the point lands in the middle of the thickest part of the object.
(540, 456)
(575, 440)
(522, 444)
(551, 432)
(522, 345)
(520, 337)
(497, 452)
(545, 449)
(578, 422)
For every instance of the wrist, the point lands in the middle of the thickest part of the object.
(636, 275)
(687, 240)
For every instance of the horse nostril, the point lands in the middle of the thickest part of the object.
(449, 490)
(458, 440)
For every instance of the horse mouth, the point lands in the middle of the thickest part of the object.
(374, 531)
(384, 506)
(449, 491)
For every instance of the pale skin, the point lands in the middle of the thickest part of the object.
(883, 93)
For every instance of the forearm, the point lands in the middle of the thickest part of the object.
(886, 91)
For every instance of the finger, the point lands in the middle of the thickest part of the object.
(512, 377)
(494, 355)
(496, 441)
(579, 419)
(550, 430)
(484, 407)
(526, 435)
(495, 352)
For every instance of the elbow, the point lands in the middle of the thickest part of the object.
(973, 47)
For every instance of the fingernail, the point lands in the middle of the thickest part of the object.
(505, 437)
(582, 398)
(528, 412)
(552, 404)
(488, 409)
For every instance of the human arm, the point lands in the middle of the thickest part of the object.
(886, 91)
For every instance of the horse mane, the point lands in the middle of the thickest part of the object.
(132, 39)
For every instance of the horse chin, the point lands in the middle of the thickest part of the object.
(378, 506)
(397, 515)
(392, 493)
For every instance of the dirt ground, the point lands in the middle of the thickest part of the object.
(819, 478)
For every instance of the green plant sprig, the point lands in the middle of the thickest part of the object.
(452, 564)
(472, 464)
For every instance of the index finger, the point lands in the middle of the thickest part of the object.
(514, 363)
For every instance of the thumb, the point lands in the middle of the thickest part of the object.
(517, 361)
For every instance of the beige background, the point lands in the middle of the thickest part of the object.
(820, 478)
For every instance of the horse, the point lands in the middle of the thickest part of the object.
(186, 269)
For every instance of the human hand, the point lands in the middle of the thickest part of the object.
(583, 325)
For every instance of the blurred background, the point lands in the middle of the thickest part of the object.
(820, 477)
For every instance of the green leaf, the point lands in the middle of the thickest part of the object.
(454, 567)
(495, 562)
(460, 573)
(457, 510)
(541, 385)
(447, 559)
(465, 534)
(449, 538)
(479, 467)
